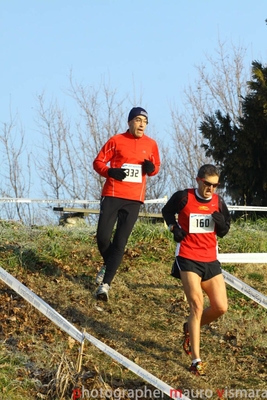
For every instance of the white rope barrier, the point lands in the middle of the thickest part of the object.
(67, 201)
(243, 258)
(247, 258)
(46, 201)
(162, 200)
(246, 208)
(245, 289)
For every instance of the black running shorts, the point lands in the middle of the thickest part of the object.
(206, 270)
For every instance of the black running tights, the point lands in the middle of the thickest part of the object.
(120, 212)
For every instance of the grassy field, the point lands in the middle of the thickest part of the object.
(142, 321)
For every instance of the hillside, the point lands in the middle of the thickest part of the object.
(142, 321)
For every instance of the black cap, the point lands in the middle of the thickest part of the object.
(137, 111)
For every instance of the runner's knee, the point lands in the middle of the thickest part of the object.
(221, 309)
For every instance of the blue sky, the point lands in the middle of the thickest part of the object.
(150, 45)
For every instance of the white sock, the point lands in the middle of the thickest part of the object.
(196, 360)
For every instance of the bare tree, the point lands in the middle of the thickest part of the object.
(101, 116)
(221, 84)
(55, 162)
(15, 170)
(187, 154)
(222, 81)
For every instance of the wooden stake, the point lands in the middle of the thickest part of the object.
(79, 361)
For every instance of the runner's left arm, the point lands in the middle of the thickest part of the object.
(222, 219)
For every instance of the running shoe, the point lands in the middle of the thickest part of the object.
(198, 369)
(100, 275)
(186, 342)
(102, 292)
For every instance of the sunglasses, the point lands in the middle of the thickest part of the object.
(209, 184)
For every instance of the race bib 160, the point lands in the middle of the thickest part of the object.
(201, 223)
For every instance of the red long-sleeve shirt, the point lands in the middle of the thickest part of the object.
(126, 151)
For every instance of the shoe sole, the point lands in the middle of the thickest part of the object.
(186, 342)
(196, 373)
(200, 372)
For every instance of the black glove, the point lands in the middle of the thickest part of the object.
(219, 219)
(221, 227)
(117, 173)
(178, 234)
(148, 167)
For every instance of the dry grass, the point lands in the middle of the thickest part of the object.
(143, 319)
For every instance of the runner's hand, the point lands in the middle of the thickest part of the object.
(117, 173)
(178, 234)
(148, 167)
(219, 219)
